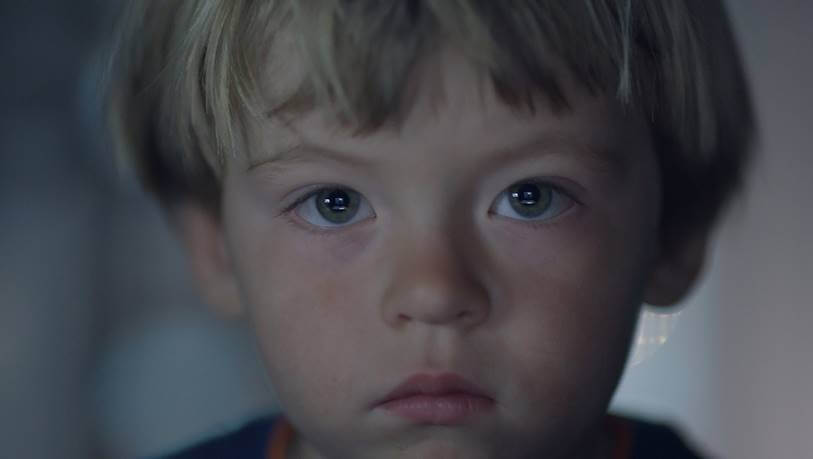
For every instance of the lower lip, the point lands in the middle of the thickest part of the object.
(439, 409)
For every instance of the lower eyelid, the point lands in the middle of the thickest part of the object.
(566, 215)
(307, 227)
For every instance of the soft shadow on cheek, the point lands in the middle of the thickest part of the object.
(321, 274)
(301, 293)
(310, 285)
(573, 286)
(346, 248)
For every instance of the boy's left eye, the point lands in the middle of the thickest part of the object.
(531, 200)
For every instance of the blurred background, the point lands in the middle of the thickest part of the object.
(106, 351)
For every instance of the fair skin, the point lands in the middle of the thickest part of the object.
(438, 271)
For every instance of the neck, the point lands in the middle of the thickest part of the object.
(598, 443)
(301, 450)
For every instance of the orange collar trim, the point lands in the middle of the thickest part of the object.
(282, 436)
(621, 431)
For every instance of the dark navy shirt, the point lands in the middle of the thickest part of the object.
(648, 441)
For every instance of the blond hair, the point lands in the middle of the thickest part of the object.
(185, 77)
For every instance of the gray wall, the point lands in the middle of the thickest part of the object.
(737, 371)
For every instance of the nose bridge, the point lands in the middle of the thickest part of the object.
(433, 281)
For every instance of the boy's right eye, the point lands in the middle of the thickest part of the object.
(331, 207)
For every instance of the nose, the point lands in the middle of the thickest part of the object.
(433, 282)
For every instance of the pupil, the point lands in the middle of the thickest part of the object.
(336, 201)
(531, 199)
(527, 194)
(337, 205)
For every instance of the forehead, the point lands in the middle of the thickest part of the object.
(448, 104)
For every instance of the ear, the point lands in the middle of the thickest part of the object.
(676, 270)
(202, 235)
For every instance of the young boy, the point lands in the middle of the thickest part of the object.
(441, 217)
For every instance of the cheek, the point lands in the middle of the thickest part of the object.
(306, 327)
(291, 277)
(589, 268)
(299, 292)
(303, 300)
(572, 300)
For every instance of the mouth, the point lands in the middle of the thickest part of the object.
(442, 399)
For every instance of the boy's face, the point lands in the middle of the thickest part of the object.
(511, 250)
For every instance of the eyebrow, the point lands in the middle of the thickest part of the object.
(309, 152)
(601, 158)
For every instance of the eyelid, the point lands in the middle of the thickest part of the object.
(305, 193)
(303, 197)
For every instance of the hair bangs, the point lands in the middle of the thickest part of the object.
(190, 76)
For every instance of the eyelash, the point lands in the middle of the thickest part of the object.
(290, 209)
(302, 199)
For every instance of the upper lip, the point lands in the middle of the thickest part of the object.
(434, 384)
